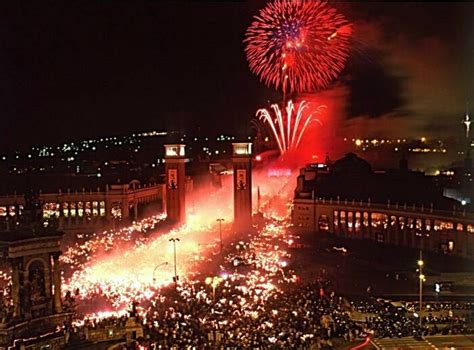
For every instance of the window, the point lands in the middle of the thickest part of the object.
(88, 210)
(343, 218)
(116, 211)
(401, 222)
(366, 219)
(102, 208)
(95, 210)
(379, 220)
(450, 246)
(419, 224)
(357, 221)
(428, 225)
(11, 210)
(65, 209)
(80, 209)
(72, 210)
(393, 221)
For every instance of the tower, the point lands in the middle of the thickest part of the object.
(467, 160)
(467, 123)
(242, 161)
(175, 182)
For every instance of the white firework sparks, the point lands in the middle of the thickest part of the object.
(289, 128)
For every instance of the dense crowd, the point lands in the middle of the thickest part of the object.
(294, 319)
(257, 301)
(441, 306)
(298, 316)
(386, 319)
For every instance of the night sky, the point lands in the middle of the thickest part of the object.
(95, 68)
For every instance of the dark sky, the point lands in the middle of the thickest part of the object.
(70, 70)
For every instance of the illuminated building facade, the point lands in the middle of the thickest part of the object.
(33, 305)
(439, 225)
(89, 210)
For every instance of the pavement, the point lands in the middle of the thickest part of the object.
(429, 342)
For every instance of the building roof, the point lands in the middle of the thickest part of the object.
(351, 164)
(351, 178)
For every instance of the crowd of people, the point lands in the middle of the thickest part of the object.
(294, 319)
(386, 319)
(299, 316)
(256, 301)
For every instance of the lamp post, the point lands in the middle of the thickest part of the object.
(220, 220)
(154, 270)
(213, 282)
(421, 278)
(174, 240)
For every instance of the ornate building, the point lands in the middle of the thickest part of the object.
(31, 308)
(400, 207)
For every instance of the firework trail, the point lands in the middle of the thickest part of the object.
(297, 45)
(288, 128)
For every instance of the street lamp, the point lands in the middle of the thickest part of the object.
(213, 282)
(220, 220)
(422, 279)
(174, 240)
(154, 270)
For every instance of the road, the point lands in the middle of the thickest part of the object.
(431, 342)
(371, 264)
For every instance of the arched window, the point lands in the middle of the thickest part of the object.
(350, 217)
(72, 210)
(65, 209)
(357, 221)
(323, 223)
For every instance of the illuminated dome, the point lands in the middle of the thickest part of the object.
(351, 164)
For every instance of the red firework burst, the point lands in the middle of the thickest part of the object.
(298, 45)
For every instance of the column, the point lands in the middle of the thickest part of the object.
(396, 228)
(404, 231)
(16, 281)
(430, 233)
(423, 242)
(56, 284)
(371, 230)
(464, 241)
(125, 209)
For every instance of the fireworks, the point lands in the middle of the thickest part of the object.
(297, 45)
(288, 129)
